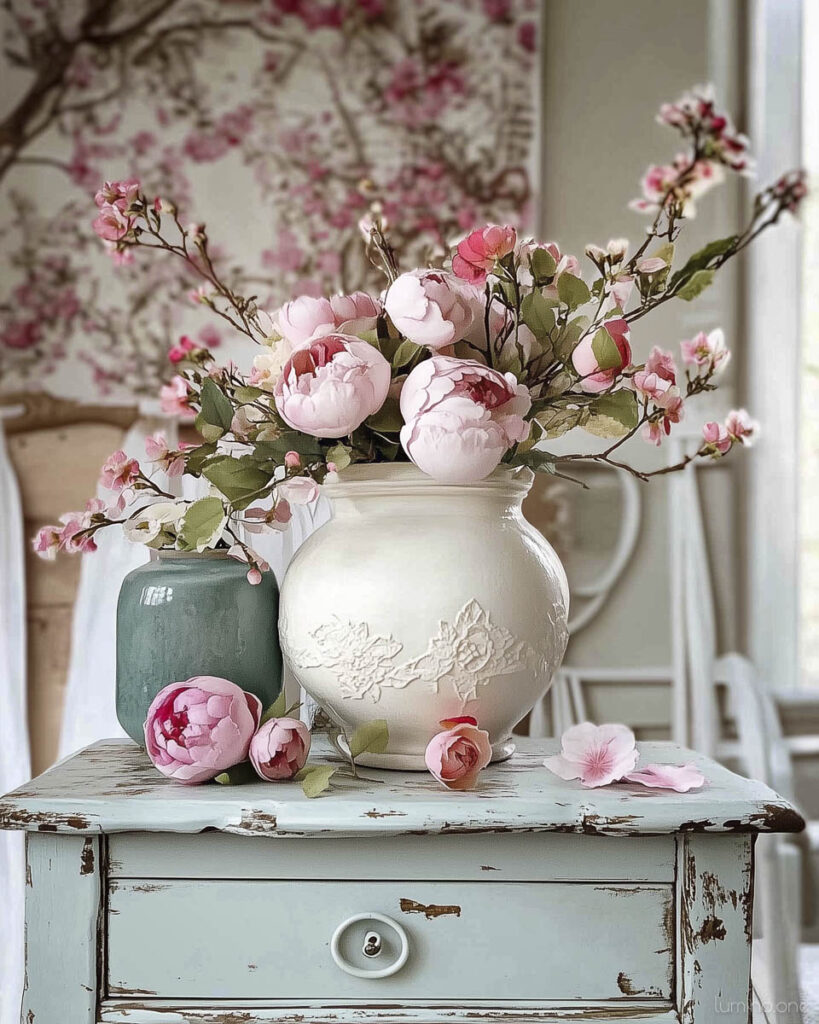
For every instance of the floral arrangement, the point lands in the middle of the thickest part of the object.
(209, 728)
(458, 368)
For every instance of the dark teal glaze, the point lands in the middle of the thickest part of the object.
(186, 616)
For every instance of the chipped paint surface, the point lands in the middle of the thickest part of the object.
(429, 910)
(112, 787)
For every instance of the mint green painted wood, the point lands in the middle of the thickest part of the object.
(475, 940)
(182, 616)
(112, 787)
(535, 857)
(529, 900)
(62, 907)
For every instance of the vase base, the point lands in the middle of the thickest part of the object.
(405, 762)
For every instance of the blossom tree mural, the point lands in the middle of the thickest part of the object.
(313, 113)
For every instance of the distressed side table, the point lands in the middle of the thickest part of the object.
(388, 899)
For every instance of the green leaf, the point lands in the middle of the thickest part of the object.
(202, 521)
(405, 353)
(315, 779)
(537, 460)
(388, 419)
(537, 314)
(373, 736)
(558, 420)
(543, 265)
(195, 458)
(613, 415)
(340, 454)
(695, 284)
(703, 257)
(207, 430)
(215, 406)
(275, 449)
(568, 338)
(606, 353)
(238, 775)
(276, 709)
(665, 252)
(236, 478)
(246, 394)
(573, 291)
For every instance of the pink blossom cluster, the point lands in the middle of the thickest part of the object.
(695, 116)
(680, 184)
(116, 202)
(738, 428)
(657, 382)
(118, 474)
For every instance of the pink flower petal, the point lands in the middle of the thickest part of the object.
(679, 777)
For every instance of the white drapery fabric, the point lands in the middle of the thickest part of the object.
(89, 712)
(15, 762)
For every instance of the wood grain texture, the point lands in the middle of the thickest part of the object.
(112, 787)
(530, 941)
(62, 917)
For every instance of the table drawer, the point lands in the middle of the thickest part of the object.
(233, 939)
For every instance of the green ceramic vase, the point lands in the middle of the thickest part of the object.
(186, 615)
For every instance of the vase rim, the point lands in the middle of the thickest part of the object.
(404, 477)
(171, 554)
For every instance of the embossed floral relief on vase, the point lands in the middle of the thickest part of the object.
(286, 121)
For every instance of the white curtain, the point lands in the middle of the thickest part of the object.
(89, 713)
(15, 763)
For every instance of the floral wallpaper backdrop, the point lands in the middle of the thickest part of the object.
(285, 119)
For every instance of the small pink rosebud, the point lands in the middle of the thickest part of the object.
(332, 467)
(254, 576)
(279, 749)
(457, 755)
(292, 460)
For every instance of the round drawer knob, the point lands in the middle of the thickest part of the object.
(365, 942)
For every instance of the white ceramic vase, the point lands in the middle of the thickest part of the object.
(421, 601)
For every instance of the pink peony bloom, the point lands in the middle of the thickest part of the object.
(305, 318)
(119, 471)
(279, 749)
(478, 252)
(679, 777)
(717, 438)
(330, 387)
(457, 755)
(592, 378)
(174, 398)
(460, 418)
(706, 350)
(595, 754)
(741, 427)
(47, 542)
(197, 729)
(430, 307)
(357, 306)
(298, 490)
